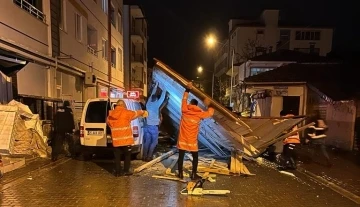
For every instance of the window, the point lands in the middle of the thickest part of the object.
(112, 15)
(104, 6)
(113, 57)
(92, 40)
(104, 48)
(311, 50)
(120, 55)
(256, 71)
(78, 30)
(62, 23)
(307, 35)
(119, 22)
(96, 112)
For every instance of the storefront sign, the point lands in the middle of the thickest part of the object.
(133, 94)
(280, 91)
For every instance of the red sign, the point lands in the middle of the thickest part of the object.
(132, 94)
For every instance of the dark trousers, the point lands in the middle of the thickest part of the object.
(289, 156)
(195, 156)
(57, 144)
(126, 152)
(316, 144)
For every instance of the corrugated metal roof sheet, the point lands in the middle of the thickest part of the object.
(224, 131)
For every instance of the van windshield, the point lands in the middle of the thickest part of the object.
(96, 112)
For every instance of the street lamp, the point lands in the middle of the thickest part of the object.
(210, 42)
(200, 70)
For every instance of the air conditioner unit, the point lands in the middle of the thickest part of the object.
(90, 79)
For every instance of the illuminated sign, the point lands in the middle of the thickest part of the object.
(132, 94)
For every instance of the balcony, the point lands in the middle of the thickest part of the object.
(25, 5)
(137, 60)
(137, 84)
(92, 51)
(137, 35)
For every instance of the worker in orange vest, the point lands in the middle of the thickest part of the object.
(191, 116)
(119, 121)
(290, 145)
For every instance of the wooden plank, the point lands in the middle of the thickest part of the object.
(238, 164)
(168, 178)
(216, 171)
(206, 174)
(154, 161)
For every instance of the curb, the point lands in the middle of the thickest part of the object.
(330, 185)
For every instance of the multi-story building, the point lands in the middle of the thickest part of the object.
(72, 49)
(135, 47)
(250, 38)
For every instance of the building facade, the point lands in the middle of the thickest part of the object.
(253, 37)
(73, 48)
(135, 47)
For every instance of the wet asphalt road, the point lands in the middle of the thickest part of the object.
(78, 183)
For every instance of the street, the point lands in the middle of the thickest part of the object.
(77, 183)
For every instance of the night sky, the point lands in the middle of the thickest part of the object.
(177, 28)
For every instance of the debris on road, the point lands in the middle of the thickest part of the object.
(156, 160)
(196, 188)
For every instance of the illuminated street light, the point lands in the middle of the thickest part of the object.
(211, 41)
(200, 69)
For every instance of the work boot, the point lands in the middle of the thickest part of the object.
(116, 173)
(195, 176)
(180, 175)
(128, 173)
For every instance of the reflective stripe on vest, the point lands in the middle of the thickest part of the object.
(187, 144)
(122, 138)
(120, 129)
(191, 120)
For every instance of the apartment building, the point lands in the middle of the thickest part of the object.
(135, 47)
(253, 37)
(68, 49)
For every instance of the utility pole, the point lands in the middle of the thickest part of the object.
(109, 42)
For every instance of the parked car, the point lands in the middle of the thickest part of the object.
(94, 131)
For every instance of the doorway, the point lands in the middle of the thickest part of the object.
(291, 103)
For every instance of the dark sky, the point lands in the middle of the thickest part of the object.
(177, 27)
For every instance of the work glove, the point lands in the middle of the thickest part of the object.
(207, 102)
(145, 114)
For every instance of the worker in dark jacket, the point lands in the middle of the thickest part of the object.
(64, 126)
(317, 136)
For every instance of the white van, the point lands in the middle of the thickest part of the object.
(94, 132)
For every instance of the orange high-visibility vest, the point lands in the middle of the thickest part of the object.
(190, 124)
(119, 121)
(293, 139)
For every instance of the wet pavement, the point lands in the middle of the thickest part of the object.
(344, 172)
(78, 183)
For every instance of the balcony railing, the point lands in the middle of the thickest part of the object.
(31, 9)
(137, 84)
(91, 50)
(137, 31)
(137, 58)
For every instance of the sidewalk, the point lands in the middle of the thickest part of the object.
(344, 172)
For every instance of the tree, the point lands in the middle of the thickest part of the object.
(251, 49)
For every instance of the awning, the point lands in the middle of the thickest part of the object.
(11, 62)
